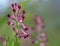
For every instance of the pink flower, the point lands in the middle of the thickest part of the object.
(44, 39)
(40, 22)
(3, 40)
(23, 26)
(42, 44)
(11, 23)
(15, 30)
(43, 35)
(18, 18)
(23, 34)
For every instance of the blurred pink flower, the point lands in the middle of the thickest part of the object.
(3, 40)
(42, 44)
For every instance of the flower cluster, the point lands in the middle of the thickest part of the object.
(17, 19)
(40, 27)
(38, 30)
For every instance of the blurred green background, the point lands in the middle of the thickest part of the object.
(49, 10)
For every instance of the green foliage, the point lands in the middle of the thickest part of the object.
(23, 4)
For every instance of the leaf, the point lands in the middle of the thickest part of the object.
(12, 44)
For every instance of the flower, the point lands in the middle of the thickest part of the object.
(39, 22)
(42, 44)
(17, 19)
(3, 40)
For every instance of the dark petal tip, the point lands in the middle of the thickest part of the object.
(15, 4)
(13, 28)
(17, 34)
(12, 5)
(23, 17)
(26, 29)
(23, 12)
(19, 7)
(14, 10)
(26, 36)
(8, 22)
(8, 16)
